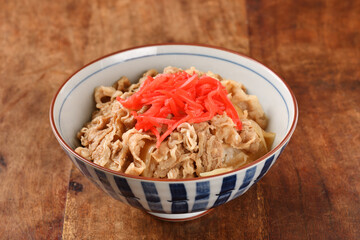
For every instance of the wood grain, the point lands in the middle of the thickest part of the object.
(313, 191)
(314, 46)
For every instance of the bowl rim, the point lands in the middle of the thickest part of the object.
(120, 174)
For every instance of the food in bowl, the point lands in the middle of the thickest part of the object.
(175, 124)
(173, 199)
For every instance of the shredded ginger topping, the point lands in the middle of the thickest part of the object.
(174, 98)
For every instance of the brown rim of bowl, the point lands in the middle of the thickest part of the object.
(63, 143)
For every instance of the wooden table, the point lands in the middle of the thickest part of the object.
(313, 191)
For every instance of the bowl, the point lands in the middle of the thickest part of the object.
(174, 200)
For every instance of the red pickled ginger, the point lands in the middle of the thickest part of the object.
(175, 98)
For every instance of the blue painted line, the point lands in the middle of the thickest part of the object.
(282, 149)
(265, 168)
(106, 184)
(178, 198)
(228, 185)
(86, 172)
(249, 175)
(83, 168)
(202, 196)
(152, 196)
(126, 191)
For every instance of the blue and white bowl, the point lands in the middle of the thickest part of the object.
(173, 199)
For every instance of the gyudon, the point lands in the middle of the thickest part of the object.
(176, 124)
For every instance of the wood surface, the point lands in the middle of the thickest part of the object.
(312, 192)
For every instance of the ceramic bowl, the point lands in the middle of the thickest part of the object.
(173, 199)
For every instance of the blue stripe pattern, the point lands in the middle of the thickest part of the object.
(282, 149)
(152, 197)
(249, 175)
(202, 196)
(179, 193)
(265, 168)
(125, 190)
(85, 171)
(83, 168)
(228, 185)
(178, 198)
(106, 184)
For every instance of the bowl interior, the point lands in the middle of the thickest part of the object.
(74, 103)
